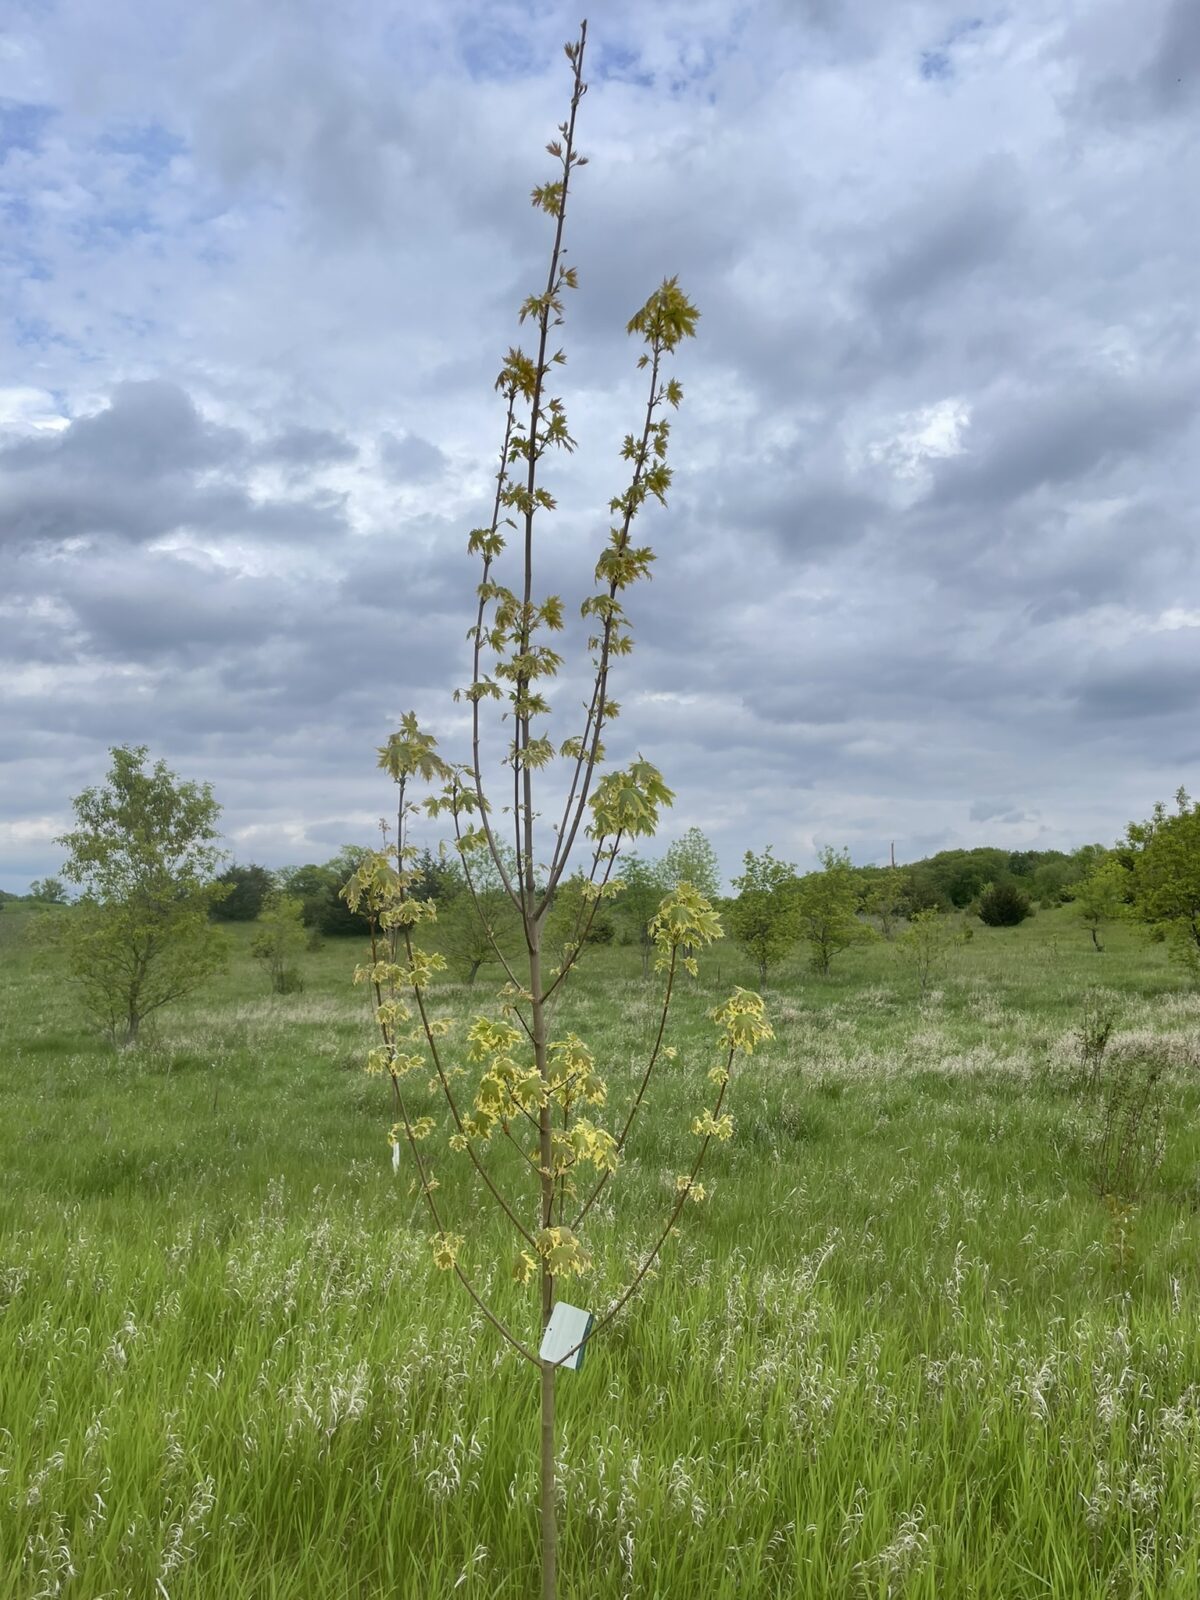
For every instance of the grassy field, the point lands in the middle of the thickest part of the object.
(904, 1350)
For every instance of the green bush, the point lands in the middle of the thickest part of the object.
(1003, 905)
(248, 888)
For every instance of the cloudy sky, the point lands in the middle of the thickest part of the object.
(930, 568)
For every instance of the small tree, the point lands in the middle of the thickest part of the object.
(51, 891)
(144, 853)
(439, 877)
(279, 942)
(691, 859)
(764, 919)
(530, 1124)
(310, 885)
(335, 918)
(645, 886)
(1004, 905)
(1100, 897)
(576, 919)
(884, 898)
(826, 904)
(925, 944)
(247, 891)
(1166, 878)
(475, 925)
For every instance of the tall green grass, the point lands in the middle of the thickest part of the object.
(904, 1349)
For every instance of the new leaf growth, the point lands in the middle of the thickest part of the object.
(528, 1105)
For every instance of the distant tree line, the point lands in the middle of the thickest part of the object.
(150, 882)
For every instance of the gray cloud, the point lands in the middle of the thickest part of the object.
(999, 811)
(1063, 434)
(407, 458)
(305, 449)
(1156, 677)
(145, 465)
(933, 523)
(967, 227)
(1166, 80)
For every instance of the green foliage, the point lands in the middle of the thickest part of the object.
(1166, 878)
(958, 877)
(925, 944)
(334, 918)
(692, 859)
(1004, 905)
(826, 904)
(247, 890)
(311, 885)
(437, 877)
(882, 894)
(1050, 876)
(319, 887)
(1097, 1022)
(963, 874)
(765, 916)
(1101, 897)
(478, 923)
(922, 890)
(645, 886)
(52, 891)
(280, 941)
(576, 919)
(1129, 1141)
(143, 852)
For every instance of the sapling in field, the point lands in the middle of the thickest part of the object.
(765, 918)
(280, 941)
(526, 1105)
(827, 908)
(925, 944)
(143, 852)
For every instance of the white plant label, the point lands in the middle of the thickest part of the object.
(568, 1327)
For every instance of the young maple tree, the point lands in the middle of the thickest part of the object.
(528, 1109)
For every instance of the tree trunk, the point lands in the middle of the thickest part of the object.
(1096, 940)
(549, 1508)
(548, 1486)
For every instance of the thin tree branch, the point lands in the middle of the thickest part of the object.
(436, 1054)
(458, 1271)
(566, 835)
(476, 769)
(633, 1109)
(619, 1305)
(581, 935)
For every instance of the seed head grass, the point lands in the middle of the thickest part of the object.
(904, 1348)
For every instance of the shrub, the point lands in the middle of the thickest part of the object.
(248, 888)
(280, 941)
(1003, 905)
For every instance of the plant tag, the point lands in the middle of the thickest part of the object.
(568, 1327)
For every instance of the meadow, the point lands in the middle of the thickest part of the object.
(904, 1349)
